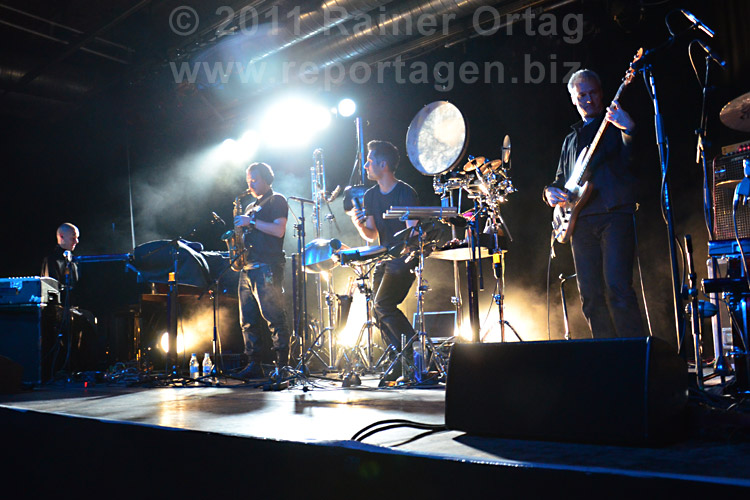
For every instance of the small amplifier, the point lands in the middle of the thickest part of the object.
(728, 172)
(29, 290)
(733, 149)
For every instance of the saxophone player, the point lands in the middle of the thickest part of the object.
(260, 292)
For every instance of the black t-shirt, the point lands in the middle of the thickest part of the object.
(611, 167)
(377, 203)
(263, 247)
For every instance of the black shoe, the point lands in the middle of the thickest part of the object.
(252, 370)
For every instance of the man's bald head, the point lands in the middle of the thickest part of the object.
(67, 236)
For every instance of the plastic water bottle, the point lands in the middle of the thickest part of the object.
(194, 367)
(418, 359)
(207, 365)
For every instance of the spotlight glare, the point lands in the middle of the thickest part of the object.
(294, 122)
(248, 145)
(164, 343)
(347, 107)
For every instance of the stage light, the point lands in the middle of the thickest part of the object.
(354, 323)
(164, 342)
(186, 342)
(248, 145)
(293, 123)
(346, 107)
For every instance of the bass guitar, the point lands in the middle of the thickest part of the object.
(577, 185)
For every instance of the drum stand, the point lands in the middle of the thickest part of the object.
(498, 264)
(418, 368)
(357, 355)
(311, 351)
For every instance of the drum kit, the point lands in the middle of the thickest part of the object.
(436, 143)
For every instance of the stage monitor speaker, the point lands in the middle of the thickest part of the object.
(728, 172)
(630, 391)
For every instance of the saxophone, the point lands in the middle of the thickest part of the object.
(235, 239)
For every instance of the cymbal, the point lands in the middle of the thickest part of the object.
(491, 166)
(736, 113)
(474, 163)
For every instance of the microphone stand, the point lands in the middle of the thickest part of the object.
(700, 152)
(218, 368)
(566, 323)
(301, 276)
(662, 144)
(645, 68)
(65, 326)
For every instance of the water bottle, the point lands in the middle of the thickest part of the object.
(418, 359)
(194, 367)
(207, 365)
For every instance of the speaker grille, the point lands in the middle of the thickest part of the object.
(726, 169)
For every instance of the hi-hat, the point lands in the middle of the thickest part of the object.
(736, 113)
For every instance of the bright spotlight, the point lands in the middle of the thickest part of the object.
(347, 107)
(248, 145)
(228, 150)
(164, 343)
(294, 122)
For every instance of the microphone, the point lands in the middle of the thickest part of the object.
(356, 203)
(301, 200)
(697, 23)
(721, 62)
(216, 219)
(334, 194)
(68, 256)
(742, 192)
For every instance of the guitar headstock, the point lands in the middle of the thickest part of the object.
(630, 74)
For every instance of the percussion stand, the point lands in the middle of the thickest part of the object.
(420, 373)
(498, 267)
(352, 377)
(329, 299)
(474, 271)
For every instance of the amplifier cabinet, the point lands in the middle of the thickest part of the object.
(727, 173)
(27, 335)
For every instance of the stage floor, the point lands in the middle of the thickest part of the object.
(715, 454)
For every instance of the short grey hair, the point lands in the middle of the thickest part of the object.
(583, 74)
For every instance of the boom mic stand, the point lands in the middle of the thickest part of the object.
(643, 66)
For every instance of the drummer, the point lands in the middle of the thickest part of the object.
(393, 278)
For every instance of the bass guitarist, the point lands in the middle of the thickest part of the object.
(603, 236)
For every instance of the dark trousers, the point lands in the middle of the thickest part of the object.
(261, 297)
(603, 250)
(392, 280)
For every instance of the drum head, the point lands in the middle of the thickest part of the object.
(437, 138)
